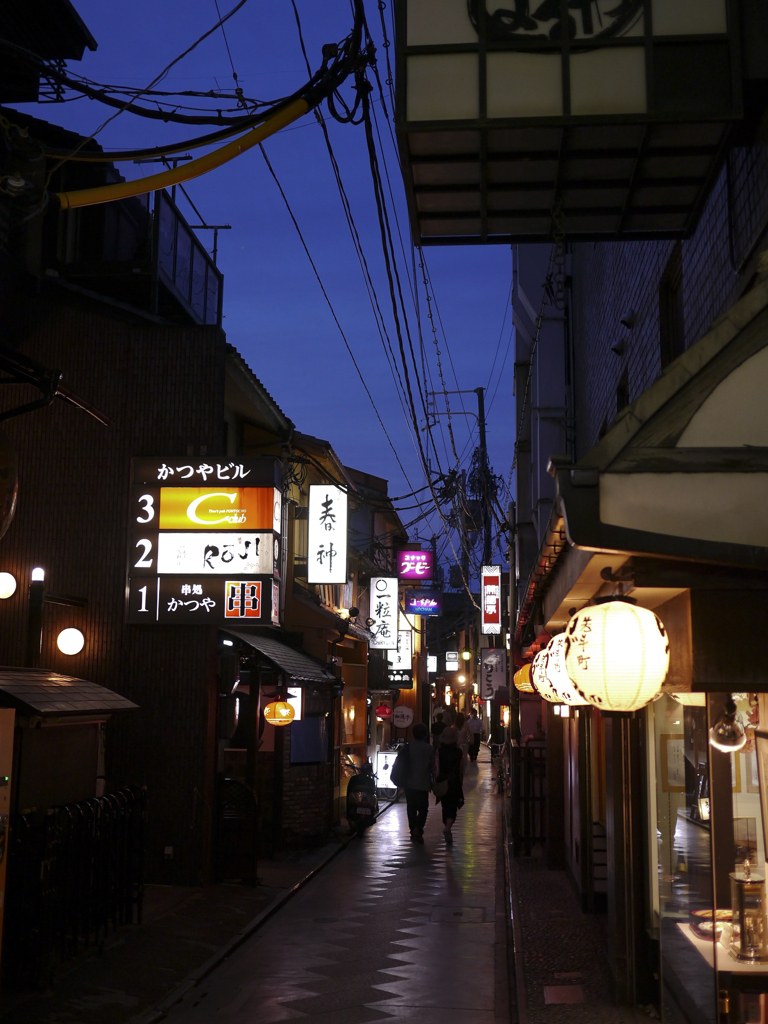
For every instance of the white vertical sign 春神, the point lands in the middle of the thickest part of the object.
(383, 611)
(327, 535)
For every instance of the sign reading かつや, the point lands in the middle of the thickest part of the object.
(204, 546)
(490, 599)
(327, 535)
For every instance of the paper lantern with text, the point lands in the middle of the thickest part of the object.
(522, 679)
(279, 712)
(557, 674)
(617, 655)
(540, 679)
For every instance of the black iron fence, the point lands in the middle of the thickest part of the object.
(75, 873)
(529, 796)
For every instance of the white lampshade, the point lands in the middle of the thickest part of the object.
(617, 655)
(540, 678)
(557, 674)
(691, 700)
(7, 585)
(70, 641)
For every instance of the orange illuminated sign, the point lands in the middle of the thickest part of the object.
(220, 508)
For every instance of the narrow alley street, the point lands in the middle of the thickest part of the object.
(389, 930)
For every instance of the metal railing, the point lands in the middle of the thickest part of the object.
(75, 873)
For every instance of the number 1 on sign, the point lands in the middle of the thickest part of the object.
(143, 605)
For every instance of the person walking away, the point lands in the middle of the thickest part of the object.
(477, 731)
(449, 769)
(437, 727)
(420, 757)
(463, 735)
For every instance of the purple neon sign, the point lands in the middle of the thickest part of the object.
(414, 565)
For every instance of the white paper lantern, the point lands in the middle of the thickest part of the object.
(70, 641)
(557, 674)
(617, 655)
(540, 679)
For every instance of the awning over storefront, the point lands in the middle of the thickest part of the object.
(683, 472)
(295, 664)
(49, 694)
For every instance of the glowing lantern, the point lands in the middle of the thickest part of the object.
(70, 641)
(540, 679)
(522, 679)
(557, 675)
(691, 700)
(617, 655)
(279, 712)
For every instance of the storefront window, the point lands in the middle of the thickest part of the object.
(708, 891)
(354, 732)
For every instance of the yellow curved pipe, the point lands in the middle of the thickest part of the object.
(184, 172)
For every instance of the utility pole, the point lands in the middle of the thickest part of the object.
(485, 501)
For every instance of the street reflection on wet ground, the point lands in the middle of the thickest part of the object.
(389, 930)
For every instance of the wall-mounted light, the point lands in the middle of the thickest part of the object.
(7, 585)
(466, 655)
(228, 643)
(727, 734)
(38, 575)
(70, 641)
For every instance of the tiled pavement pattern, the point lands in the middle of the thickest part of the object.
(388, 931)
(563, 948)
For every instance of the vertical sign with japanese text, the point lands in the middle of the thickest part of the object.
(493, 671)
(400, 661)
(327, 535)
(383, 611)
(490, 598)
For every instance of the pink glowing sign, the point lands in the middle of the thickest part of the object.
(414, 565)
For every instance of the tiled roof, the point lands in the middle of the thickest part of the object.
(294, 663)
(49, 693)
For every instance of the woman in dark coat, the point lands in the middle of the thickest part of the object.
(449, 767)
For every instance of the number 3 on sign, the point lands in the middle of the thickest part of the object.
(147, 505)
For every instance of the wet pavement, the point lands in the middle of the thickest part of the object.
(389, 930)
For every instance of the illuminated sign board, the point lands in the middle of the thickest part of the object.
(384, 612)
(451, 661)
(493, 671)
(400, 661)
(414, 565)
(190, 600)
(216, 553)
(431, 663)
(422, 602)
(490, 600)
(327, 535)
(204, 544)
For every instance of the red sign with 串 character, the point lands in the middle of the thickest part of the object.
(242, 599)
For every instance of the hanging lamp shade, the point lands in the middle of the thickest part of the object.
(617, 655)
(279, 712)
(557, 674)
(691, 700)
(522, 679)
(540, 678)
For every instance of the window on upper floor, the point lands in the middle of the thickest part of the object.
(671, 320)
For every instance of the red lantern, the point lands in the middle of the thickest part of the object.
(279, 712)
(384, 711)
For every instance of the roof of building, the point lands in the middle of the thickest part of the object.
(37, 691)
(248, 381)
(50, 28)
(295, 664)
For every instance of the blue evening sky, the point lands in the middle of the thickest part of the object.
(274, 311)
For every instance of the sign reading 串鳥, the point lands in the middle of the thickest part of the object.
(383, 611)
(327, 535)
(400, 661)
(204, 543)
(422, 602)
(493, 671)
(414, 565)
(490, 599)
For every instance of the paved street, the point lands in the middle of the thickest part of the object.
(389, 930)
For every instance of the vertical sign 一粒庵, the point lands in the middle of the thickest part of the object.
(490, 596)
(493, 671)
(384, 612)
(327, 535)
